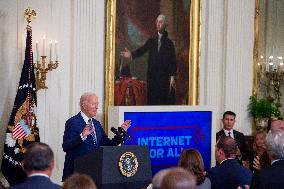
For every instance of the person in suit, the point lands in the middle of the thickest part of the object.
(229, 119)
(83, 133)
(162, 65)
(38, 164)
(272, 177)
(229, 174)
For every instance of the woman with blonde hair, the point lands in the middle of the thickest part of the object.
(191, 160)
(259, 158)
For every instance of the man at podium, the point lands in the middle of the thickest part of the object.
(83, 133)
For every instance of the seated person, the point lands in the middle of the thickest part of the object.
(229, 174)
(272, 177)
(276, 125)
(38, 163)
(178, 178)
(259, 152)
(191, 160)
(79, 181)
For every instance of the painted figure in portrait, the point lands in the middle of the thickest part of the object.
(152, 47)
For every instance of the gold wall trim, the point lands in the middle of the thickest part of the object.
(194, 55)
(110, 57)
(255, 46)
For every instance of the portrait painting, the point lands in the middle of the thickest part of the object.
(130, 26)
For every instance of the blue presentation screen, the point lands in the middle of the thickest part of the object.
(168, 133)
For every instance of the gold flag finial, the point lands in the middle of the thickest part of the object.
(29, 15)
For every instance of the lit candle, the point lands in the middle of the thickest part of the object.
(259, 67)
(43, 46)
(267, 66)
(56, 51)
(37, 51)
(50, 50)
(271, 66)
(281, 66)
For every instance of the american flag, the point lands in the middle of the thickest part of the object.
(22, 127)
(20, 130)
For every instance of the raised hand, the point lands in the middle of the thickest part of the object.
(256, 163)
(126, 125)
(88, 129)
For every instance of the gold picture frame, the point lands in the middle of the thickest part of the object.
(255, 47)
(193, 59)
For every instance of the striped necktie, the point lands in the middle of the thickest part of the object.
(93, 133)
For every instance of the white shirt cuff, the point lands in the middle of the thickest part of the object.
(82, 137)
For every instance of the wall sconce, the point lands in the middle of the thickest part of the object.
(41, 66)
(271, 75)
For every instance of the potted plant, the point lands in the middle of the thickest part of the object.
(262, 110)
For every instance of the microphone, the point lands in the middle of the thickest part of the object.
(115, 131)
(122, 132)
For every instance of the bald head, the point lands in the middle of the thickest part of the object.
(277, 125)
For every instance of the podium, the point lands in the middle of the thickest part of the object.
(119, 167)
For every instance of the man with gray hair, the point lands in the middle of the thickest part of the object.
(272, 177)
(83, 133)
(162, 65)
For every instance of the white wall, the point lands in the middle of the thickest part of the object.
(227, 57)
(226, 60)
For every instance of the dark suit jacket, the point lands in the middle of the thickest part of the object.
(36, 182)
(74, 146)
(270, 177)
(161, 65)
(229, 175)
(240, 139)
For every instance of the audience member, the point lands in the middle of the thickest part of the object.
(191, 160)
(229, 119)
(158, 177)
(272, 177)
(259, 153)
(229, 174)
(79, 181)
(178, 178)
(277, 125)
(38, 163)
